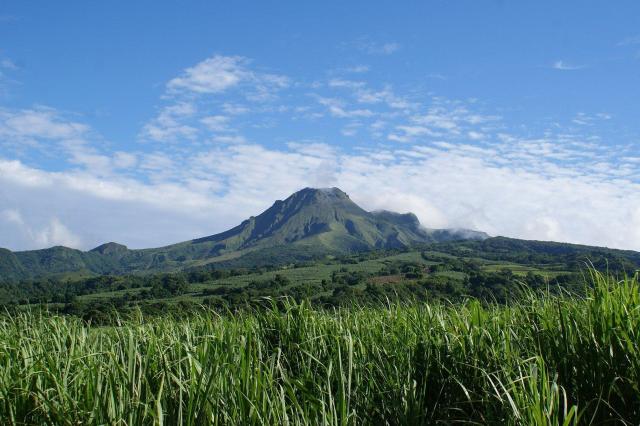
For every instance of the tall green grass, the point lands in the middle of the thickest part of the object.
(545, 360)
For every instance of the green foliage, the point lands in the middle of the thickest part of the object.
(548, 360)
(573, 257)
(346, 277)
(367, 278)
(170, 285)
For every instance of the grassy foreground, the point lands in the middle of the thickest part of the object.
(547, 360)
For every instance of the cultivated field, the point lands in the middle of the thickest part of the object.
(553, 359)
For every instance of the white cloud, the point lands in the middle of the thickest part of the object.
(234, 139)
(234, 109)
(8, 64)
(338, 82)
(564, 66)
(220, 73)
(365, 95)
(366, 45)
(514, 189)
(388, 48)
(436, 76)
(410, 133)
(439, 121)
(475, 136)
(447, 120)
(265, 87)
(190, 108)
(584, 119)
(358, 69)
(314, 149)
(216, 123)
(337, 108)
(56, 233)
(415, 130)
(170, 125)
(457, 166)
(124, 160)
(157, 161)
(395, 137)
(350, 130)
(213, 75)
(52, 233)
(38, 123)
(374, 48)
(49, 133)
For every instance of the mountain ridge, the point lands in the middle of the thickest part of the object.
(311, 222)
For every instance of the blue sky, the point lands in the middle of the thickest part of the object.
(155, 122)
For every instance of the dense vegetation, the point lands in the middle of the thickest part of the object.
(572, 256)
(550, 359)
(498, 331)
(493, 270)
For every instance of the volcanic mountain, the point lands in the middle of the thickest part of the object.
(308, 224)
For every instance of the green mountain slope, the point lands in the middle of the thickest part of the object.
(545, 253)
(310, 223)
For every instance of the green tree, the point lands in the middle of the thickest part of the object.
(170, 285)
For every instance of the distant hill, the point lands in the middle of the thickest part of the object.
(308, 224)
(571, 256)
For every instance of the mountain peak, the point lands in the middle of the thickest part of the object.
(110, 248)
(334, 192)
(316, 196)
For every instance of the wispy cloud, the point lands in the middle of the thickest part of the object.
(549, 181)
(52, 233)
(218, 74)
(437, 76)
(384, 49)
(40, 128)
(376, 48)
(44, 131)
(170, 125)
(358, 69)
(445, 120)
(216, 123)
(514, 188)
(8, 64)
(452, 162)
(630, 41)
(7, 67)
(40, 122)
(565, 66)
(337, 108)
(366, 95)
(213, 75)
(475, 136)
(188, 110)
(584, 119)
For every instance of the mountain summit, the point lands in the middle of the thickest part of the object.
(325, 220)
(310, 223)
